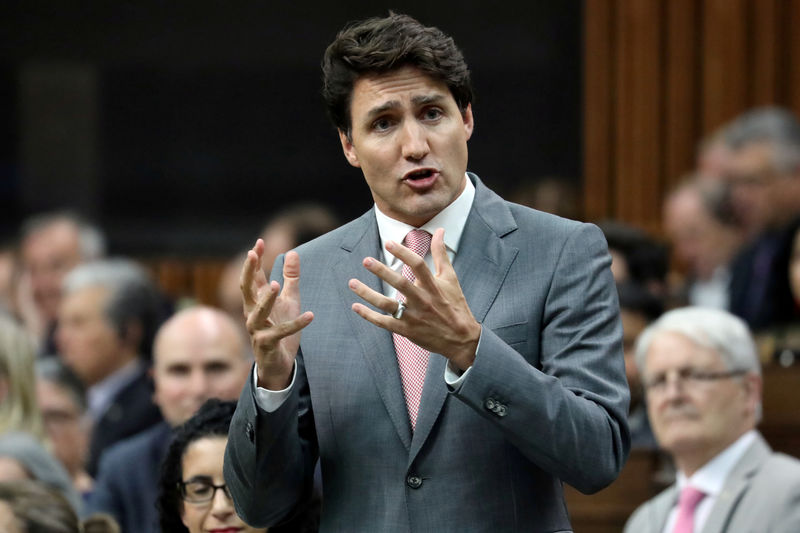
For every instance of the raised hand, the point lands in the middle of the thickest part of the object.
(437, 316)
(273, 317)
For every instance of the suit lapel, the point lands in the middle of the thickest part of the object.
(481, 264)
(376, 343)
(738, 480)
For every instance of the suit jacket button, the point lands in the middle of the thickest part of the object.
(251, 432)
(490, 404)
(413, 481)
(502, 411)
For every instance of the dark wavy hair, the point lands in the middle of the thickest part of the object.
(211, 420)
(380, 45)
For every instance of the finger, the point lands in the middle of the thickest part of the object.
(252, 263)
(386, 322)
(441, 261)
(410, 258)
(258, 317)
(291, 275)
(384, 303)
(395, 279)
(269, 338)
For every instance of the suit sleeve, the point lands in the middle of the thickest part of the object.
(270, 457)
(566, 414)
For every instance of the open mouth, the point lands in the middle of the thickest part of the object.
(420, 174)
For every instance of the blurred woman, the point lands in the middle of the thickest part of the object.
(192, 493)
(19, 410)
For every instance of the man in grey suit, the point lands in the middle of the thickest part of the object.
(702, 378)
(444, 387)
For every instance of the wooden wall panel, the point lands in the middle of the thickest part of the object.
(662, 75)
(598, 119)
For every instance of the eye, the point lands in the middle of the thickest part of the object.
(217, 368)
(382, 124)
(198, 488)
(178, 370)
(432, 113)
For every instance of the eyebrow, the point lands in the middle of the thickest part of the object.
(426, 99)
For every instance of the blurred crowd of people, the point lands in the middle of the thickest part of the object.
(99, 369)
(101, 378)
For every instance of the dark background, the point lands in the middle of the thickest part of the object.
(200, 119)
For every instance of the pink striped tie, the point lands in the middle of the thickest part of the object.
(687, 503)
(412, 359)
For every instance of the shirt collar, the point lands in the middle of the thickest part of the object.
(711, 477)
(452, 218)
(101, 395)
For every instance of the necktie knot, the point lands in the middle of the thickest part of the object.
(418, 241)
(688, 500)
(690, 497)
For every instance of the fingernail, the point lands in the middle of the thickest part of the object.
(389, 245)
(352, 283)
(368, 261)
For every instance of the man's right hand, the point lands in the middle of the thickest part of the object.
(273, 317)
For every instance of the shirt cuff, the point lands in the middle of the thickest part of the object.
(271, 400)
(454, 377)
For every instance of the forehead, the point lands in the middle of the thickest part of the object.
(752, 158)
(87, 299)
(195, 343)
(400, 85)
(204, 456)
(669, 350)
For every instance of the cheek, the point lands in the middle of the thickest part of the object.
(192, 517)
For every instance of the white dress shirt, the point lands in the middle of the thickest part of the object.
(710, 479)
(452, 219)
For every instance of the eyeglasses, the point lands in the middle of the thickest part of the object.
(201, 490)
(688, 376)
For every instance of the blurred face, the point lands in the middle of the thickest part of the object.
(67, 430)
(47, 256)
(697, 237)
(694, 420)
(12, 470)
(86, 340)
(195, 361)
(794, 268)
(202, 462)
(758, 192)
(410, 140)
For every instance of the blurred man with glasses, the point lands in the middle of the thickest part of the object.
(702, 380)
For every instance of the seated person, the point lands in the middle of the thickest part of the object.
(702, 381)
(28, 506)
(62, 401)
(24, 457)
(192, 495)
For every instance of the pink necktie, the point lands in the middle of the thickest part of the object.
(687, 503)
(412, 359)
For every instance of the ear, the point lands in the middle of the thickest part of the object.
(753, 386)
(469, 121)
(348, 149)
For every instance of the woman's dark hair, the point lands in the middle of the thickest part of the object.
(211, 420)
(380, 45)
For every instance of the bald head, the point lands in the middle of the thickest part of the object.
(199, 353)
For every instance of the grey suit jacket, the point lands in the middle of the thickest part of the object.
(761, 495)
(544, 402)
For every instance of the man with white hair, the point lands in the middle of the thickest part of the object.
(106, 323)
(703, 384)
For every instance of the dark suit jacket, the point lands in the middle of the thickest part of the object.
(127, 481)
(131, 412)
(545, 401)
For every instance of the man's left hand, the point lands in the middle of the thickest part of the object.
(437, 316)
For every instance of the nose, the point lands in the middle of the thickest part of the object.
(221, 505)
(414, 141)
(198, 384)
